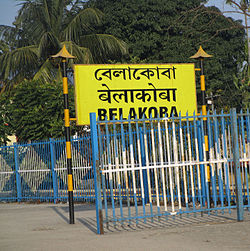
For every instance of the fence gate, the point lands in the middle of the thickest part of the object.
(150, 168)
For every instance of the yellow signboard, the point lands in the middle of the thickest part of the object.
(134, 91)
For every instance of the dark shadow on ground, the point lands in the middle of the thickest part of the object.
(61, 210)
(168, 222)
(57, 211)
(89, 223)
(88, 219)
(78, 207)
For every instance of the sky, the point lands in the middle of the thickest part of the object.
(9, 8)
(225, 7)
(8, 11)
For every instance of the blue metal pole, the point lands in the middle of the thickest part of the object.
(18, 179)
(236, 159)
(139, 138)
(198, 157)
(54, 175)
(223, 129)
(110, 176)
(104, 190)
(248, 141)
(213, 193)
(144, 171)
(118, 174)
(202, 167)
(218, 153)
(133, 174)
(244, 165)
(95, 160)
(208, 194)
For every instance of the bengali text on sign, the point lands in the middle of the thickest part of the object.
(134, 91)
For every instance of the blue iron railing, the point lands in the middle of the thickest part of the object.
(37, 171)
(161, 162)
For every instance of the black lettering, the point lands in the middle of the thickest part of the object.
(102, 113)
(155, 112)
(163, 112)
(121, 114)
(112, 113)
(142, 112)
(132, 113)
(173, 112)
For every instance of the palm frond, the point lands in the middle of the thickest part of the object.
(84, 21)
(26, 13)
(40, 28)
(19, 62)
(104, 47)
(49, 45)
(4, 47)
(56, 15)
(46, 12)
(46, 73)
(6, 31)
(82, 54)
(33, 18)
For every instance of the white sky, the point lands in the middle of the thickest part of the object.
(225, 7)
(8, 11)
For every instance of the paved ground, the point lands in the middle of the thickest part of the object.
(45, 227)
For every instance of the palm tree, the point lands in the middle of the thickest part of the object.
(41, 28)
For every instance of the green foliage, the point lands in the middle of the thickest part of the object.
(242, 79)
(157, 31)
(242, 83)
(5, 128)
(41, 28)
(37, 110)
(146, 25)
(170, 31)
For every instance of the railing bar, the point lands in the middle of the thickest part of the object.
(176, 169)
(211, 156)
(162, 170)
(147, 165)
(155, 170)
(218, 157)
(125, 167)
(140, 165)
(117, 167)
(108, 143)
(198, 158)
(226, 169)
(183, 160)
(132, 161)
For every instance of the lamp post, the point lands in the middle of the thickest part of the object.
(200, 55)
(64, 55)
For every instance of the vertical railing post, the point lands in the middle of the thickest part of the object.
(54, 175)
(18, 178)
(144, 171)
(236, 161)
(96, 170)
(201, 158)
